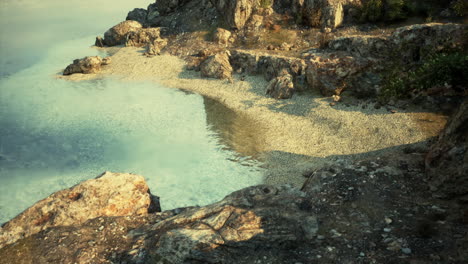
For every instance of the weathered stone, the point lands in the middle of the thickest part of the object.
(117, 34)
(155, 47)
(86, 65)
(142, 37)
(138, 14)
(111, 194)
(364, 46)
(217, 66)
(235, 12)
(332, 73)
(281, 87)
(99, 42)
(447, 160)
(319, 13)
(222, 36)
(415, 42)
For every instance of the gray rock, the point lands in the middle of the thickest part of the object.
(281, 87)
(235, 12)
(138, 14)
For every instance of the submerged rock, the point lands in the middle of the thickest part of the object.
(217, 66)
(110, 194)
(86, 65)
(117, 34)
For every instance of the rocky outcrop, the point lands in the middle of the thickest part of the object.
(217, 66)
(281, 87)
(235, 12)
(110, 194)
(86, 65)
(138, 14)
(118, 33)
(332, 73)
(222, 36)
(363, 46)
(447, 160)
(142, 37)
(415, 42)
(319, 13)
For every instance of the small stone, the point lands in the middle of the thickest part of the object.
(387, 229)
(320, 237)
(388, 220)
(362, 254)
(332, 104)
(407, 251)
(393, 111)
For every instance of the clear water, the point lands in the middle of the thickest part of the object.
(55, 133)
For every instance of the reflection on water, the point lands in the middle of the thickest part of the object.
(237, 131)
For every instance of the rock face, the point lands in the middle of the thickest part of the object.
(447, 160)
(138, 14)
(142, 37)
(110, 194)
(222, 36)
(86, 65)
(217, 66)
(281, 87)
(117, 34)
(235, 12)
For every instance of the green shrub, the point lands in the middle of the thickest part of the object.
(437, 70)
(371, 10)
(394, 10)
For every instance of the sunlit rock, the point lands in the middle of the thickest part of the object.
(117, 34)
(86, 65)
(217, 66)
(110, 194)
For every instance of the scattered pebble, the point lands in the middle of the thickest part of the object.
(407, 251)
(387, 229)
(388, 220)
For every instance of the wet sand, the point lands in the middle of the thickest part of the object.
(290, 136)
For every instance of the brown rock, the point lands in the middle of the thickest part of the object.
(217, 66)
(86, 65)
(281, 87)
(142, 37)
(235, 12)
(111, 194)
(222, 36)
(155, 47)
(117, 34)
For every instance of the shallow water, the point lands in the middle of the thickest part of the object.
(55, 133)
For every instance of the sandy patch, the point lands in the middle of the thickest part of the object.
(291, 135)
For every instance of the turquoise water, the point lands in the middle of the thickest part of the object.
(55, 133)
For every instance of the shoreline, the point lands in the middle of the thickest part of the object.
(291, 136)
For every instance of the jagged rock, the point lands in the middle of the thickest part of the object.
(332, 73)
(152, 14)
(86, 65)
(244, 227)
(255, 22)
(110, 194)
(319, 13)
(99, 42)
(117, 34)
(222, 36)
(138, 14)
(364, 46)
(415, 42)
(155, 47)
(447, 160)
(142, 37)
(217, 66)
(167, 6)
(281, 87)
(235, 12)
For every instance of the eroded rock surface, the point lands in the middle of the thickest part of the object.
(86, 65)
(110, 194)
(142, 37)
(281, 87)
(118, 33)
(447, 160)
(217, 66)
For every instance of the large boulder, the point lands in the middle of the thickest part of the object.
(319, 13)
(447, 160)
(117, 34)
(86, 65)
(110, 194)
(142, 37)
(138, 14)
(217, 66)
(281, 87)
(235, 12)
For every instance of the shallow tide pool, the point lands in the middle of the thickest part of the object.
(55, 133)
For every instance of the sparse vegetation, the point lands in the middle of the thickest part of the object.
(443, 70)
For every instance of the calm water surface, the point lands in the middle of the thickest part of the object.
(55, 133)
